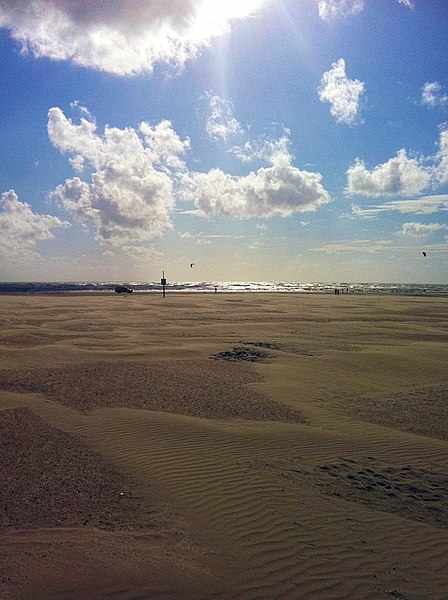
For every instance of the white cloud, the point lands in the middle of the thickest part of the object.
(142, 252)
(163, 146)
(197, 238)
(130, 197)
(21, 228)
(399, 176)
(255, 245)
(120, 36)
(432, 94)
(221, 124)
(370, 213)
(202, 238)
(133, 176)
(421, 206)
(437, 248)
(330, 9)
(280, 189)
(421, 229)
(441, 159)
(264, 149)
(359, 246)
(186, 235)
(343, 94)
(223, 237)
(76, 104)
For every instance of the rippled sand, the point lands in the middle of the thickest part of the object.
(223, 446)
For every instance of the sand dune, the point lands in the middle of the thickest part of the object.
(224, 446)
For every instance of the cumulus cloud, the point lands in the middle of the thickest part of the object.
(21, 228)
(119, 36)
(343, 94)
(221, 124)
(421, 229)
(129, 198)
(330, 9)
(425, 205)
(130, 178)
(280, 189)
(399, 176)
(432, 94)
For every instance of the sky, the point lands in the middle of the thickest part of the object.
(261, 140)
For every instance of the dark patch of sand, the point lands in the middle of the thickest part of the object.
(201, 388)
(48, 478)
(241, 353)
(423, 411)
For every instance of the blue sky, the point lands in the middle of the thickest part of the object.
(262, 140)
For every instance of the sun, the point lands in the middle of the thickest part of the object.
(231, 9)
(213, 15)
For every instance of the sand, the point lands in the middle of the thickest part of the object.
(231, 446)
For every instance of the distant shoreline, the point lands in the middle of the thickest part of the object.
(178, 293)
(227, 287)
(174, 292)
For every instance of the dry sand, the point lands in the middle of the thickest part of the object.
(223, 446)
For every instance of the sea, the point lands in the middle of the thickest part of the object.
(400, 289)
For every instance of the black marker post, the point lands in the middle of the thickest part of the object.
(163, 282)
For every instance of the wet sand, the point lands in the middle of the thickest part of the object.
(223, 446)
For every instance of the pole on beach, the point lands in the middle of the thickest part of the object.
(163, 283)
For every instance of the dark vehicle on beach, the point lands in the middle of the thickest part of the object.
(123, 289)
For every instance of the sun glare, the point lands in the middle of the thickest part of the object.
(216, 15)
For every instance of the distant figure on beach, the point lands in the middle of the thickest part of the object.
(216, 289)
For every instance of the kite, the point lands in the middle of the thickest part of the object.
(424, 253)
(192, 265)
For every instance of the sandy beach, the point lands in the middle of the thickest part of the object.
(226, 446)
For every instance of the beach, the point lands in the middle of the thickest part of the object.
(229, 445)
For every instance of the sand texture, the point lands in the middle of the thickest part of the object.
(223, 446)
